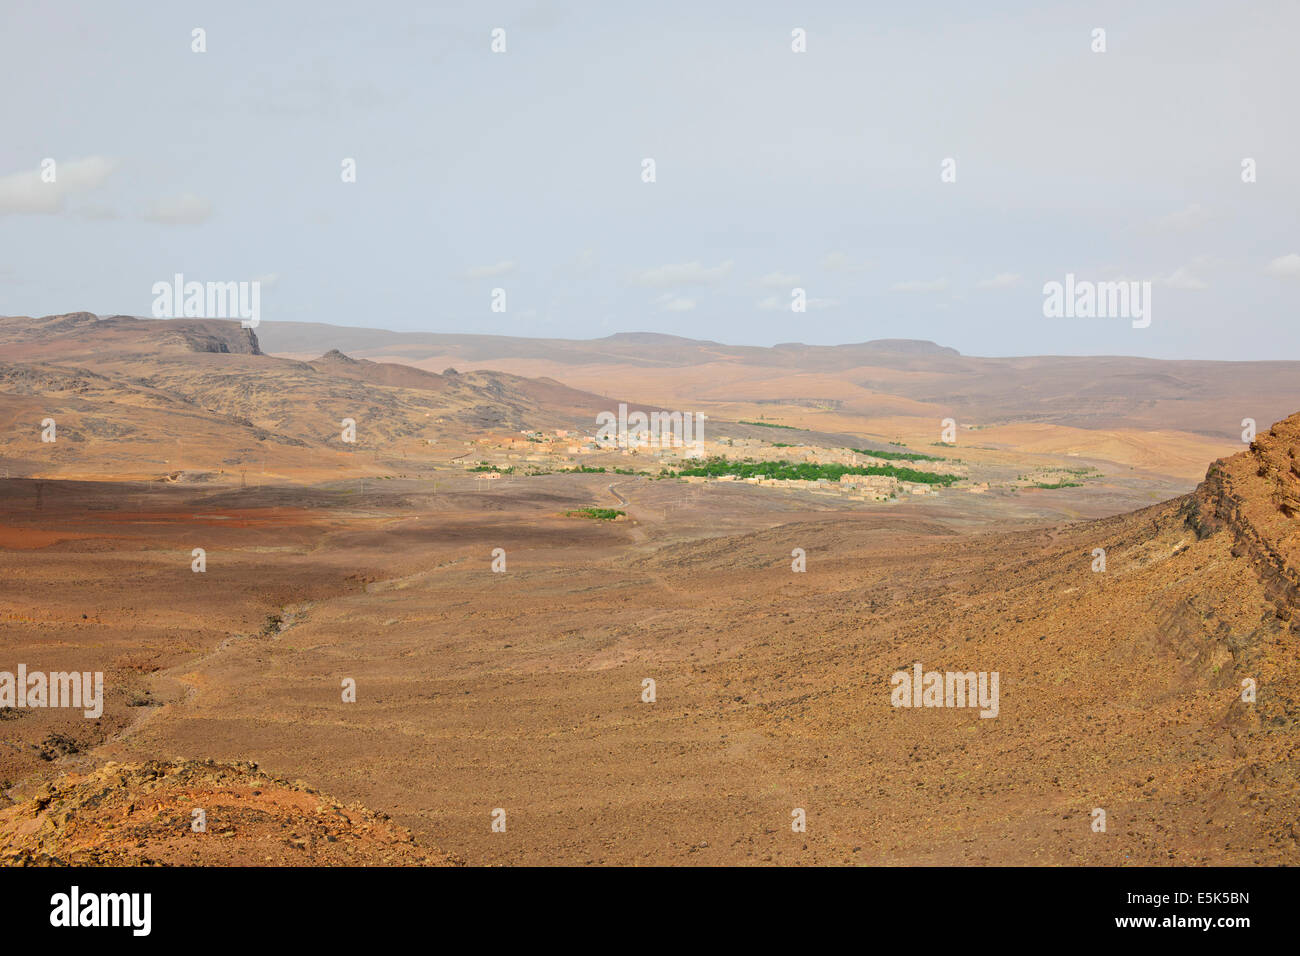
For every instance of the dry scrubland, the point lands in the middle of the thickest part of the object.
(522, 690)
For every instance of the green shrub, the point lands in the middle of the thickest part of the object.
(600, 514)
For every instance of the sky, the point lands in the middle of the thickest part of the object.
(524, 170)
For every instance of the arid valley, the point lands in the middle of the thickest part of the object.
(622, 662)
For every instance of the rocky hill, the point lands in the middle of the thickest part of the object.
(143, 815)
(1255, 498)
(129, 396)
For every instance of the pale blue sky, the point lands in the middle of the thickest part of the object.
(818, 169)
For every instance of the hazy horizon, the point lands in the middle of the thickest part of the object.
(703, 341)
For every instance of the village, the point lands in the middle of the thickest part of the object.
(532, 452)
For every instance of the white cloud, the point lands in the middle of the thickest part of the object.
(686, 273)
(1285, 267)
(268, 280)
(1183, 278)
(678, 304)
(97, 212)
(27, 192)
(502, 268)
(1190, 217)
(1003, 280)
(183, 210)
(779, 280)
(937, 285)
(839, 262)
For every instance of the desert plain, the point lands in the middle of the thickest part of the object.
(477, 634)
